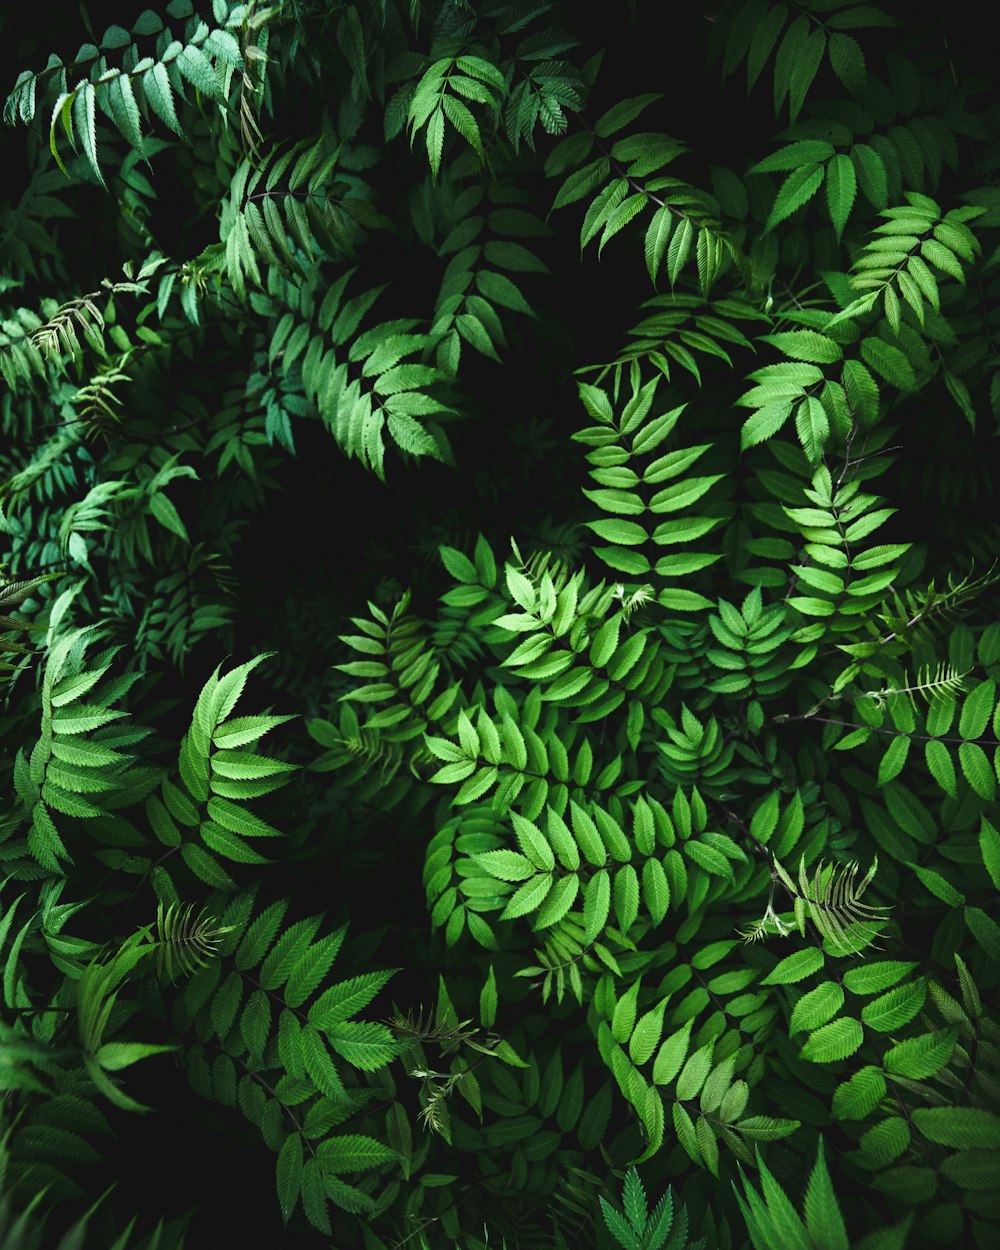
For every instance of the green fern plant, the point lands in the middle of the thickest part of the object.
(185, 942)
(642, 1229)
(772, 1220)
(831, 900)
(652, 595)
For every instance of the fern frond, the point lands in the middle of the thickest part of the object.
(185, 941)
(930, 684)
(546, 565)
(204, 59)
(833, 900)
(12, 595)
(253, 77)
(55, 342)
(763, 927)
(914, 613)
(432, 1029)
(366, 746)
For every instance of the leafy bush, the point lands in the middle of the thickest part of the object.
(663, 759)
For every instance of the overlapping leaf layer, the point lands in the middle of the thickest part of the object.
(674, 790)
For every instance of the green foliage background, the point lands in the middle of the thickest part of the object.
(499, 619)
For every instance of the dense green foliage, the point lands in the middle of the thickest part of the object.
(476, 719)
